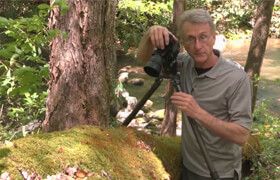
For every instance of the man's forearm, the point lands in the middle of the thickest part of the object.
(145, 49)
(227, 130)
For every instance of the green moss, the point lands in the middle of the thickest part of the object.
(252, 148)
(123, 153)
(116, 151)
(4, 152)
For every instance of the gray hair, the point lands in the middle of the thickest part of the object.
(195, 16)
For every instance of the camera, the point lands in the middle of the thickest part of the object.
(164, 59)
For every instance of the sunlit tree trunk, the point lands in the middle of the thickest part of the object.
(258, 43)
(170, 116)
(81, 65)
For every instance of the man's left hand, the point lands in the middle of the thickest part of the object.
(186, 103)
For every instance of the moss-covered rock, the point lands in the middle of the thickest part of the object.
(123, 153)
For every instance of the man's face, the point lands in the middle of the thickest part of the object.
(198, 41)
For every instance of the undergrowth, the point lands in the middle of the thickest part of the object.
(267, 127)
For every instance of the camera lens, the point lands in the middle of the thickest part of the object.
(154, 66)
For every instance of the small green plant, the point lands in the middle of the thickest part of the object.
(267, 165)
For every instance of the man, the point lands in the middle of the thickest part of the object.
(216, 93)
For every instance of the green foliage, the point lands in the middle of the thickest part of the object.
(19, 8)
(235, 18)
(23, 70)
(231, 17)
(275, 21)
(62, 4)
(24, 67)
(266, 166)
(135, 17)
(117, 102)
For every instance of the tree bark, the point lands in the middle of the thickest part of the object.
(81, 65)
(258, 44)
(170, 115)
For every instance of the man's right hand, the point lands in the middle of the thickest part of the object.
(159, 36)
(155, 37)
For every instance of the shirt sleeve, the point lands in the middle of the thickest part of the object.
(240, 102)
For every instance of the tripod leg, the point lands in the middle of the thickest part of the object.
(214, 174)
(141, 103)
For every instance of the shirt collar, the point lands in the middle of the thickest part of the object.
(214, 72)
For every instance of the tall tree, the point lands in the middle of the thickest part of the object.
(81, 64)
(170, 115)
(258, 43)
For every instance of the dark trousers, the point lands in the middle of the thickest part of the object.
(188, 175)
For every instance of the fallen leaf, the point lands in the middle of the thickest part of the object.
(154, 175)
(91, 174)
(59, 176)
(34, 175)
(81, 173)
(143, 145)
(71, 170)
(5, 176)
(105, 174)
(23, 173)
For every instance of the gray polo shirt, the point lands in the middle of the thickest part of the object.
(225, 92)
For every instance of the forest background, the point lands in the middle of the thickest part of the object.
(24, 68)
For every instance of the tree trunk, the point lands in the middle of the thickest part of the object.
(170, 115)
(81, 65)
(169, 123)
(258, 43)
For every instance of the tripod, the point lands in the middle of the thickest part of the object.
(176, 83)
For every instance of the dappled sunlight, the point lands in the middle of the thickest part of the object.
(237, 50)
(270, 70)
(269, 86)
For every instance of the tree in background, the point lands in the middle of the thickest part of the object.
(82, 62)
(258, 43)
(170, 116)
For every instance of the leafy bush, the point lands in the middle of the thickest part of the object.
(23, 70)
(19, 8)
(230, 17)
(135, 17)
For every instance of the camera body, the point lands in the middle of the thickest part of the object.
(164, 60)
